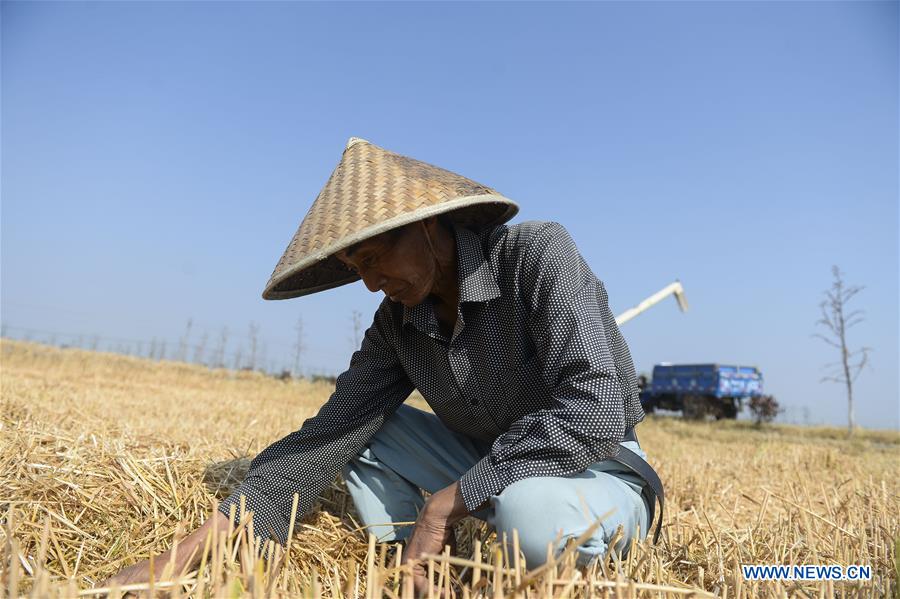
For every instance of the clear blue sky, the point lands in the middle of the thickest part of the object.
(157, 157)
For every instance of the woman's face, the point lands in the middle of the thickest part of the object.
(398, 263)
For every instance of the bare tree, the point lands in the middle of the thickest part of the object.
(298, 346)
(219, 360)
(201, 348)
(237, 359)
(253, 335)
(263, 356)
(183, 345)
(837, 320)
(357, 326)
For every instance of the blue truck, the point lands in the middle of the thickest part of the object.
(700, 389)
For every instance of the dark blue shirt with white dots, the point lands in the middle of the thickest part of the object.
(535, 365)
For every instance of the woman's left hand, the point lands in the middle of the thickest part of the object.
(434, 530)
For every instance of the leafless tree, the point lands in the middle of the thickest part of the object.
(219, 360)
(237, 359)
(263, 356)
(183, 345)
(357, 326)
(298, 346)
(162, 350)
(253, 337)
(837, 320)
(200, 349)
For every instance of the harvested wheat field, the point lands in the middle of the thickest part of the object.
(106, 459)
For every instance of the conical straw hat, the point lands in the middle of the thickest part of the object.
(372, 191)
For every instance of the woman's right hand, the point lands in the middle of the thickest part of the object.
(138, 573)
(187, 556)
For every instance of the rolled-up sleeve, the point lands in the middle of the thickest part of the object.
(306, 461)
(574, 333)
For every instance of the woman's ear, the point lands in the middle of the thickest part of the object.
(433, 225)
(426, 226)
(428, 229)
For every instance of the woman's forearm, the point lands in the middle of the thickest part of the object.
(190, 549)
(187, 554)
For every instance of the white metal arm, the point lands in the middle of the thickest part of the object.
(672, 289)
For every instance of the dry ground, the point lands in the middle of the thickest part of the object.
(105, 459)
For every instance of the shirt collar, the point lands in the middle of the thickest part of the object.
(475, 277)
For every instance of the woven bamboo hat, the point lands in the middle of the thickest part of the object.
(372, 191)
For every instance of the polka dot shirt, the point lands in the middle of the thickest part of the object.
(536, 365)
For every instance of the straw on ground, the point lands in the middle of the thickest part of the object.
(107, 459)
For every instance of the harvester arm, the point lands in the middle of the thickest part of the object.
(672, 289)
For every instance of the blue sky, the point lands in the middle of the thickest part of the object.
(157, 158)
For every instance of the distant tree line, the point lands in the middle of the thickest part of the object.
(221, 350)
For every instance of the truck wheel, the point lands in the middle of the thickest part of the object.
(730, 410)
(694, 407)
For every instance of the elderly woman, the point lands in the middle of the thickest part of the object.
(505, 332)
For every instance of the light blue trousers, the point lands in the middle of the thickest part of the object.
(414, 451)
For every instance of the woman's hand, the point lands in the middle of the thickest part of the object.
(433, 530)
(186, 556)
(138, 573)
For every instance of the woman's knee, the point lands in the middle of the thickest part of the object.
(548, 512)
(529, 508)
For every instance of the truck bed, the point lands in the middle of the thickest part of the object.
(711, 380)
